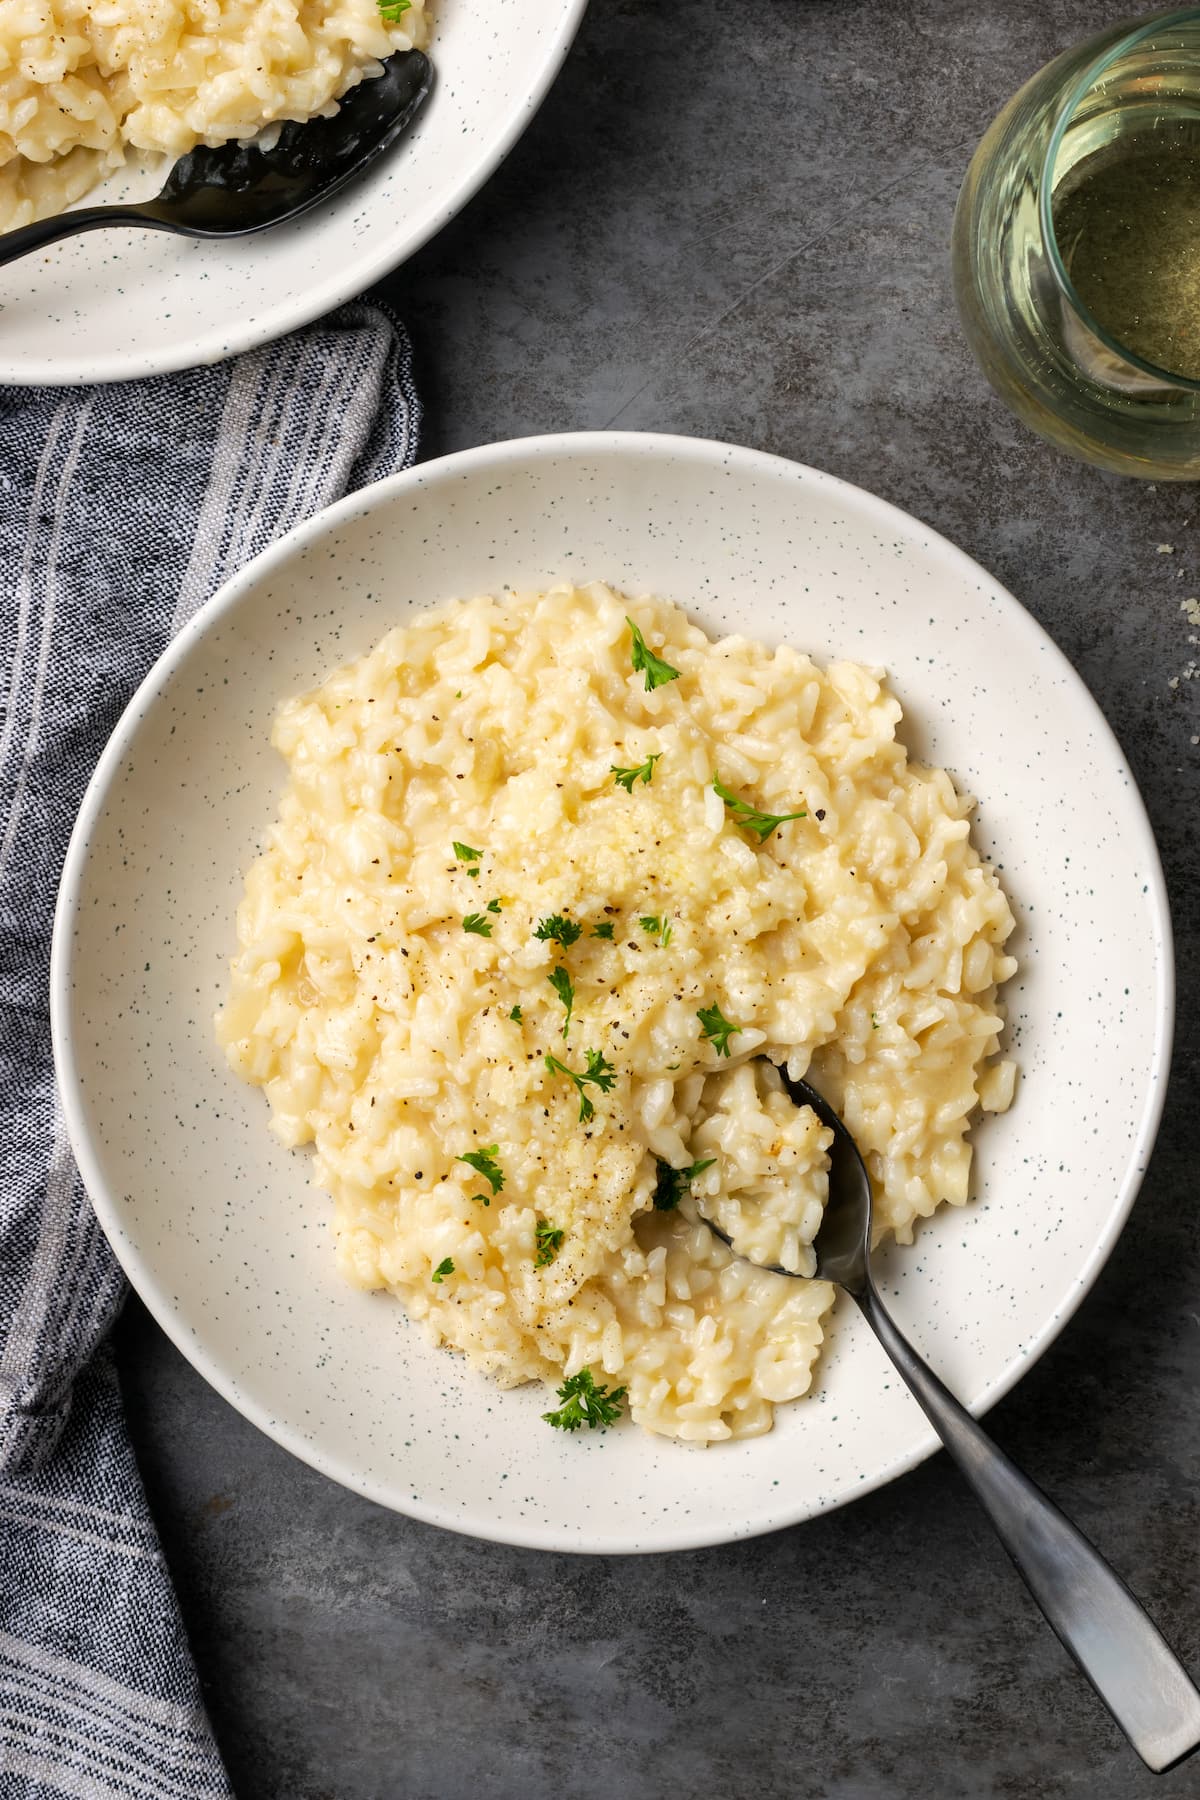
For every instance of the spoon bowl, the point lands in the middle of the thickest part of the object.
(1116, 1644)
(843, 1243)
(239, 188)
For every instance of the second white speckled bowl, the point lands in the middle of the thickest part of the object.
(219, 1227)
(116, 305)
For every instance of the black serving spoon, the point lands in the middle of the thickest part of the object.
(1118, 1647)
(239, 188)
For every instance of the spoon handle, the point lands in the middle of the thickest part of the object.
(85, 218)
(1111, 1637)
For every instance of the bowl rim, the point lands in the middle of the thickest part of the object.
(551, 447)
(345, 279)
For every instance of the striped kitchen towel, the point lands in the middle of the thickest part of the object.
(121, 510)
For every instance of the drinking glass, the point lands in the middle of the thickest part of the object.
(1045, 354)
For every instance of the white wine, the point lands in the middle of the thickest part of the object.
(1127, 221)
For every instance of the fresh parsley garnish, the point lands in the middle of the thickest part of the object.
(643, 773)
(484, 1163)
(444, 1268)
(671, 1184)
(557, 930)
(656, 671)
(717, 1028)
(391, 12)
(549, 1243)
(585, 1403)
(563, 986)
(761, 823)
(516, 1015)
(479, 923)
(600, 1072)
(465, 853)
(603, 930)
(493, 906)
(657, 927)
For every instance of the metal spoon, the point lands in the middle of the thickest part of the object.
(239, 188)
(1116, 1644)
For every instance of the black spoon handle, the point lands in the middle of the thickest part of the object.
(88, 218)
(1114, 1641)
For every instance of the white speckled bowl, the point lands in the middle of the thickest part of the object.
(114, 305)
(220, 1229)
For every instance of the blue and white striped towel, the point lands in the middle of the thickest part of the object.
(121, 510)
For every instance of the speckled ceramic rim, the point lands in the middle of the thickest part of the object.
(495, 458)
(344, 280)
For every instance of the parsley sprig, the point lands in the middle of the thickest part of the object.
(603, 930)
(599, 1072)
(643, 773)
(484, 1163)
(656, 671)
(444, 1268)
(761, 823)
(392, 11)
(464, 852)
(671, 1184)
(585, 1403)
(658, 926)
(556, 929)
(549, 1243)
(716, 1028)
(564, 987)
(479, 923)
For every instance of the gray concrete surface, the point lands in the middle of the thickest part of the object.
(747, 239)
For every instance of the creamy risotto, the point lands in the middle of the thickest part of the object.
(84, 81)
(551, 892)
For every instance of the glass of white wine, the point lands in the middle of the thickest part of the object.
(1077, 249)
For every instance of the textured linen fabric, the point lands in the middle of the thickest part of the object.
(121, 510)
